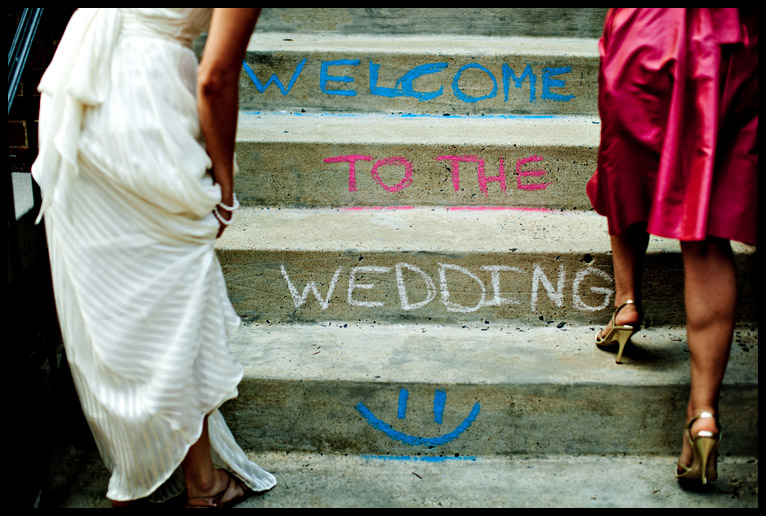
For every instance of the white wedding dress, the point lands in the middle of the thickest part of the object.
(128, 203)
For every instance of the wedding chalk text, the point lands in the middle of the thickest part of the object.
(588, 280)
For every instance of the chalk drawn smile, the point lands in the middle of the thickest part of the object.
(440, 398)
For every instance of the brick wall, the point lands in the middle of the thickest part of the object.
(22, 120)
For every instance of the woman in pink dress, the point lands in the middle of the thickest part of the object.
(678, 100)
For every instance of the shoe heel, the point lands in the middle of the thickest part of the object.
(705, 448)
(622, 337)
(619, 334)
(704, 467)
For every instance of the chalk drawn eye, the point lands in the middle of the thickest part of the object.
(439, 400)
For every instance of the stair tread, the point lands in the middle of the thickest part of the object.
(423, 44)
(495, 353)
(503, 130)
(422, 229)
(343, 480)
(426, 229)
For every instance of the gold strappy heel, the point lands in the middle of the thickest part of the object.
(704, 445)
(619, 334)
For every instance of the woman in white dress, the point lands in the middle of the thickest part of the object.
(136, 169)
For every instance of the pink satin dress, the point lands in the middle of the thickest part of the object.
(678, 101)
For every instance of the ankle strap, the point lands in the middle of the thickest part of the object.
(617, 310)
(703, 414)
(626, 303)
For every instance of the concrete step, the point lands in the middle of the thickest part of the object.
(419, 74)
(483, 21)
(371, 160)
(336, 480)
(443, 265)
(476, 390)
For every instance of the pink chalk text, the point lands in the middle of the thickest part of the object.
(454, 162)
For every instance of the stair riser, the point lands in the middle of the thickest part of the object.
(482, 21)
(301, 174)
(448, 288)
(332, 416)
(414, 286)
(380, 81)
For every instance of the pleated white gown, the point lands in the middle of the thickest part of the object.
(128, 211)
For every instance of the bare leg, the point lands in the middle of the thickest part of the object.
(710, 292)
(202, 478)
(628, 252)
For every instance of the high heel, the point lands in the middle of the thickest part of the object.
(704, 446)
(620, 334)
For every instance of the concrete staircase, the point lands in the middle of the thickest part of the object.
(421, 274)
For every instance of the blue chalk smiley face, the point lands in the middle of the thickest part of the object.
(440, 399)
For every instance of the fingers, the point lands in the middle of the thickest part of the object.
(224, 217)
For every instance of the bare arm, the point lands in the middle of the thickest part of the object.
(218, 91)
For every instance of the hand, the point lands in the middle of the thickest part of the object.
(222, 213)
